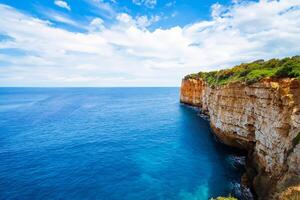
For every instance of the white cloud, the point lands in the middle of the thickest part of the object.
(217, 10)
(144, 21)
(147, 3)
(128, 54)
(170, 4)
(59, 17)
(96, 24)
(125, 18)
(103, 6)
(139, 22)
(62, 4)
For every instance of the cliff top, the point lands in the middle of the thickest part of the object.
(252, 72)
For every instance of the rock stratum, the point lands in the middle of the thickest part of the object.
(264, 119)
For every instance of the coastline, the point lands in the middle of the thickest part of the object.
(243, 189)
(268, 180)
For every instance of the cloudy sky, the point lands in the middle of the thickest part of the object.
(138, 42)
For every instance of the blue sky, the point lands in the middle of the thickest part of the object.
(171, 12)
(138, 42)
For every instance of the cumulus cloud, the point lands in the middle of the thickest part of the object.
(62, 4)
(97, 24)
(128, 54)
(140, 21)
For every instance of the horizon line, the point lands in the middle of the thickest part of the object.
(89, 86)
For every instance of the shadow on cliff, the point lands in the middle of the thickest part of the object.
(223, 166)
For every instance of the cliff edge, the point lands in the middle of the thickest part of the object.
(262, 117)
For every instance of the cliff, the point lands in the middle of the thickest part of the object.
(261, 117)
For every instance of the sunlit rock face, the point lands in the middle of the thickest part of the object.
(191, 91)
(263, 118)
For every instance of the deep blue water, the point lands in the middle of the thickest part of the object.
(108, 143)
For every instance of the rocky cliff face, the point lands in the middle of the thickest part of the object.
(263, 118)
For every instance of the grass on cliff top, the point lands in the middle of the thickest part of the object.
(252, 72)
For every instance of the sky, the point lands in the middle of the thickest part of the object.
(124, 43)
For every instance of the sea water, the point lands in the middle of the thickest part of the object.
(109, 143)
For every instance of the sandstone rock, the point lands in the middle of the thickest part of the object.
(263, 118)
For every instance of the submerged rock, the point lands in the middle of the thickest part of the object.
(242, 192)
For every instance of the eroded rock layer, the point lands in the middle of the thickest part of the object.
(263, 118)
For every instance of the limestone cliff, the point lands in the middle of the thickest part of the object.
(263, 118)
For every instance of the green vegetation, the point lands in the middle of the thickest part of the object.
(252, 72)
(296, 140)
(224, 198)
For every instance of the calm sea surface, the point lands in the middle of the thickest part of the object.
(108, 143)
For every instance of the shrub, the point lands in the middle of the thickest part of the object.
(252, 72)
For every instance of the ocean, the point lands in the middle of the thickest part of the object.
(110, 143)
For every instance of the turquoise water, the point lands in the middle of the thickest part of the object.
(109, 143)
